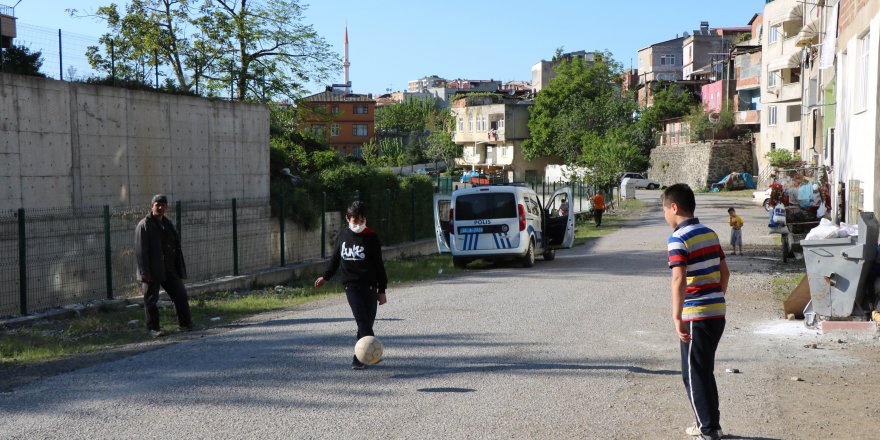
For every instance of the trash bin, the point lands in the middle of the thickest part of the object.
(837, 269)
(628, 188)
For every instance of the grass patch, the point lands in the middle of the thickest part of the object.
(782, 284)
(739, 193)
(107, 327)
(611, 221)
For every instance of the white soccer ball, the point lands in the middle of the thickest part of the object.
(368, 350)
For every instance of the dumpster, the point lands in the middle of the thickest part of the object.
(837, 270)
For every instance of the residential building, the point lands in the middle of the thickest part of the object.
(852, 150)
(346, 120)
(491, 130)
(542, 71)
(746, 57)
(7, 26)
(706, 50)
(660, 62)
(781, 81)
(422, 85)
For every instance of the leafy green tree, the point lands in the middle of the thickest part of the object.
(583, 100)
(252, 50)
(408, 116)
(265, 48)
(669, 102)
(609, 154)
(20, 60)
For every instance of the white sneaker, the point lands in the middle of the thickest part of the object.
(694, 431)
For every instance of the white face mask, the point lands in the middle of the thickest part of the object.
(357, 229)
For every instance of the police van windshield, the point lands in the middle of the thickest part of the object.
(485, 206)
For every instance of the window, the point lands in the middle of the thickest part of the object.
(361, 110)
(667, 60)
(460, 123)
(862, 91)
(773, 36)
(318, 130)
(471, 123)
(334, 109)
(772, 79)
(797, 144)
(334, 129)
(771, 115)
(485, 206)
(794, 113)
(359, 129)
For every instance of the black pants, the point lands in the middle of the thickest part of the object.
(363, 302)
(175, 290)
(698, 372)
(597, 215)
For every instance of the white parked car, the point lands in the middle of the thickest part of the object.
(763, 198)
(640, 180)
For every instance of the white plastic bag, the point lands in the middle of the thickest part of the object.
(826, 229)
(847, 230)
(821, 211)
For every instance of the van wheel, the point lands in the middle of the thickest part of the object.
(460, 263)
(550, 255)
(528, 260)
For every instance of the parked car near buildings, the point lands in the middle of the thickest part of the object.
(763, 198)
(640, 180)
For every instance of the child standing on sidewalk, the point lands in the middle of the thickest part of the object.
(736, 237)
(699, 282)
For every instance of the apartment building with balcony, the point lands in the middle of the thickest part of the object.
(7, 26)
(345, 120)
(781, 70)
(746, 57)
(491, 131)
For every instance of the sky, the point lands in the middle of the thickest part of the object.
(394, 41)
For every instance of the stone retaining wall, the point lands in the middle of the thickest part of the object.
(701, 164)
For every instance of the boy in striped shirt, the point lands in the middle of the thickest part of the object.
(699, 281)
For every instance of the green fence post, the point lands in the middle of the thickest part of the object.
(108, 253)
(281, 226)
(22, 264)
(323, 225)
(412, 208)
(177, 210)
(234, 237)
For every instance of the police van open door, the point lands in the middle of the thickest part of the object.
(559, 222)
(442, 204)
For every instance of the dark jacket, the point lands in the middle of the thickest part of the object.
(360, 256)
(148, 249)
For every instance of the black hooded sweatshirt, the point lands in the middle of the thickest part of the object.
(360, 256)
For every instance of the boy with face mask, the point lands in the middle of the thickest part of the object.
(359, 253)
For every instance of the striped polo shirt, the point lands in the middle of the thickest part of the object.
(696, 247)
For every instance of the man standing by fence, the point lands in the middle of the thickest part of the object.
(160, 263)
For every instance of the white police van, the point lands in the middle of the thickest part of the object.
(503, 222)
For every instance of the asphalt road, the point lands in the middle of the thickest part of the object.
(580, 347)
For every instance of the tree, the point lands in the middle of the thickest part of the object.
(608, 155)
(669, 102)
(250, 50)
(404, 117)
(149, 32)
(265, 48)
(584, 99)
(20, 60)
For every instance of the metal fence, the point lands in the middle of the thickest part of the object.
(53, 257)
(64, 57)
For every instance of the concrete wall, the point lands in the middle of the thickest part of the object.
(701, 164)
(66, 145)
